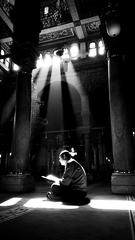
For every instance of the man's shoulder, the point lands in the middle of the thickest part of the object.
(73, 162)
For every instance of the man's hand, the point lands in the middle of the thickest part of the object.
(52, 178)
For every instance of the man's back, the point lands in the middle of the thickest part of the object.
(74, 176)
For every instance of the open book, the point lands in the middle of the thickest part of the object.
(52, 178)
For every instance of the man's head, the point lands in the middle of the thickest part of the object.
(64, 156)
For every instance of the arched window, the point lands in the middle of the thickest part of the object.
(92, 50)
(74, 51)
(101, 48)
(2, 52)
(7, 62)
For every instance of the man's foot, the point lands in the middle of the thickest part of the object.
(52, 197)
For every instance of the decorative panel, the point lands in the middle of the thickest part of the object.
(56, 35)
(58, 13)
(92, 27)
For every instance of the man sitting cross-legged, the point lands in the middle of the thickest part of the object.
(72, 187)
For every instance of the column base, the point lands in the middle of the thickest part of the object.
(123, 183)
(17, 183)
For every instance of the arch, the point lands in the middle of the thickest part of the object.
(62, 106)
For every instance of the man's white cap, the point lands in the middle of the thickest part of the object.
(64, 151)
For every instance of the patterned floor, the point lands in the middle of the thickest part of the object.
(42, 213)
(7, 213)
(15, 207)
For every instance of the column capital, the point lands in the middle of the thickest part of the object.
(26, 28)
(24, 54)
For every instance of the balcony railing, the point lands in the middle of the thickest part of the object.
(6, 7)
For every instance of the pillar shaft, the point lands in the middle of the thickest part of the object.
(122, 140)
(24, 51)
(123, 177)
(21, 135)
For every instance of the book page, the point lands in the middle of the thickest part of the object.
(51, 178)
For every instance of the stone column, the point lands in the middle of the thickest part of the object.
(21, 133)
(87, 153)
(115, 30)
(19, 178)
(26, 22)
(123, 178)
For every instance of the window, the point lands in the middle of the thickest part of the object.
(74, 51)
(101, 48)
(46, 10)
(92, 49)
(7, 62)
(2, 53)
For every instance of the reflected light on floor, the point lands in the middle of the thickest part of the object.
(10, 202)
(112, 204)
(44, 203)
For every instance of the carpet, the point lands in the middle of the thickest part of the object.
(7, 213)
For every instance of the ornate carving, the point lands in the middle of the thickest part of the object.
(57, 35)
(6, 46)
(58, 13)
(92, 27)
(6, 6)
